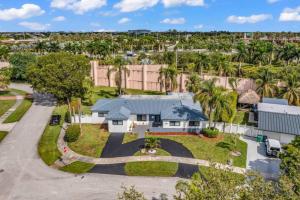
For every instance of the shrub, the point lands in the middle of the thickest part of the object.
(67, 117)
(72, 133)
(211, 132)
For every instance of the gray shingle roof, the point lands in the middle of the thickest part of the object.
(170, 107)
(118, 114)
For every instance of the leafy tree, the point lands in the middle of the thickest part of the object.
(290, 165)
(168, 75)
(5, 74)
(213, 99)
(60, 74)
(120, 68)
(194, 82)
(291, 91)
(266, 84)
(19, 63)
(4, 52)
(130, 194)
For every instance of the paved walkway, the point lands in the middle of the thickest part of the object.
(9, 127)
(70, 156)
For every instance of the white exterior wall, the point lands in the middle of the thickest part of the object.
(90, 119)
(133, 118)
(281, 137)
(183, 124)
(119, 128)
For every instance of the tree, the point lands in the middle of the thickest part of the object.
(169, 76)
(4, 52)
(19, 63)
(266, 85)
(290, 165)
(131, 194)
(5, 74)
(120, 67)
(60, 74)
(291, 91)
(194, 82)
(213, 99)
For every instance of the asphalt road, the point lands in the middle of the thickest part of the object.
(24, 176)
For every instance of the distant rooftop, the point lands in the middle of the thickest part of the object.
(277, 108)
(275, 101)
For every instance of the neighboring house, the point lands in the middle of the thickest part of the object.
(278, 120)
(173, 112)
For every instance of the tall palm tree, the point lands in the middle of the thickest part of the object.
(213, 99)
(241, 55)
(291, 91)
(120, 67)
(194, 82)
(169, 76)
(266, 84)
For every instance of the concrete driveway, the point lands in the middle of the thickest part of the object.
(258, 161)
(24, 176)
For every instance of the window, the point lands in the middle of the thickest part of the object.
(194, 123)
(141, 117)
(117, 122)
(101, 114)
(174, 123)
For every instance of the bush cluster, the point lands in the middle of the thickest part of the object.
(211, 132)
(72, 133)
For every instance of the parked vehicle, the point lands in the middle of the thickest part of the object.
(55, 119)
(273, 147)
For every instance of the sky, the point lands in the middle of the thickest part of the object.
(155, 15)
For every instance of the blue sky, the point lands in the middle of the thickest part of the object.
(157, 15)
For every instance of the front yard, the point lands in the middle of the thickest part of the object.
(91, 142)
(151, 168)
(5, 105)
(19, 112)
(77, 167)
(214, 150)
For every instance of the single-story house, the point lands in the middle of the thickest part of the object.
(278, 120)
(176, 111)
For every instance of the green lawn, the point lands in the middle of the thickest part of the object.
(47, 147)
(150, 168)
(5, 93)
(129, 137)
(19, 112)
(213, 150)
(78, 167)
(91, 142)
(210, 171)
(9, 91)
(5, 105)
(2, 135)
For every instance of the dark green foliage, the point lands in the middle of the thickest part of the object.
(67, 117)
(210, 132)
(72, 133)
(20, 63)
(60, 74)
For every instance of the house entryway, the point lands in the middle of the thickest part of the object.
(140, 130)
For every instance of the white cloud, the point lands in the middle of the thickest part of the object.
(124, 20)
(26, 11)
(248, 19)
(199, 26)
(34, 26)
(290, 14)
(173, 21)
(105, 30)
(59, 19)
(272, 1)
(78, 6)
(170, 3)
(134, 5)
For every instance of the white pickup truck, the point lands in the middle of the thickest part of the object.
(273, 147)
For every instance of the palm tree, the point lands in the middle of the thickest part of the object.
(194, 83)
(213, 99)
(291, 91)
(241, 55)
(169, 76)
(266, 85)
(119, 67)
